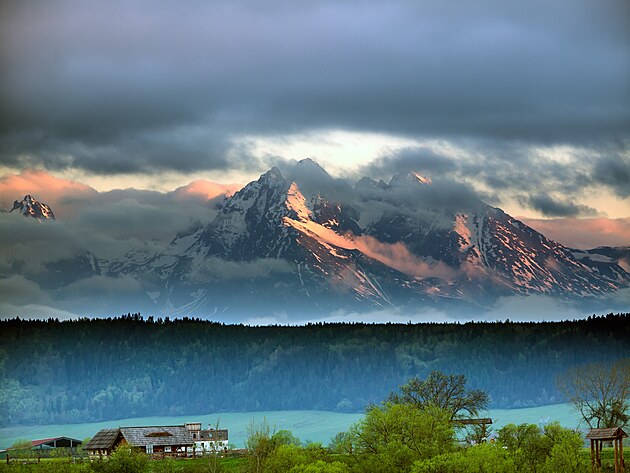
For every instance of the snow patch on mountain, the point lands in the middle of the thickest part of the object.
(296, 203)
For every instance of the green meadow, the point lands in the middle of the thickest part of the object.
(316, 426)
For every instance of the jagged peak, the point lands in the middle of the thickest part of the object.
(307, 172)
(409, 177)
(273, 174)
(368, 182)
(310, 164)
(30, 207)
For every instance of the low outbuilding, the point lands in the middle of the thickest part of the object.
(55, 443)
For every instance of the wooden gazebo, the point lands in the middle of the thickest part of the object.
(598, 437)
(484, 422)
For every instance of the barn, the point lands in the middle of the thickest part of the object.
(169, 440)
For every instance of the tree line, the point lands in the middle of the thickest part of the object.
(90, 370)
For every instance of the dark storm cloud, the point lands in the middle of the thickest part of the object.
(556, 208)
(142, 152)
(420, 159)
(503, 170)
(614, 171)
(133, 86)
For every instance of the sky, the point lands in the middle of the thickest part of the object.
(123, 114)
(529, 102)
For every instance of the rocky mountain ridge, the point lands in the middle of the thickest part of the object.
(29, 207)
(329, 246)
(300, 241)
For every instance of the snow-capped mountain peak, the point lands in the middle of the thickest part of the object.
(29, 207)
(299, 238)
(311, 166)
(407, 179)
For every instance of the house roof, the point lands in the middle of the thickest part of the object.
(103, 439)
(606, 434)
(157, 435)
(37, 443)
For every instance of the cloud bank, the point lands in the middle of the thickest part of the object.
(99, 85)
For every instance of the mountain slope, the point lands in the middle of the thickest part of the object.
(299, 240)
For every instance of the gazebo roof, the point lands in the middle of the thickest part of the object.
(610, 433)
(484, 420)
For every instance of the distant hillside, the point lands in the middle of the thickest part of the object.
(91, 370)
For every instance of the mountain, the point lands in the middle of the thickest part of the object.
(53, 274)
(299, 244)
(29, 207)
(299, 240)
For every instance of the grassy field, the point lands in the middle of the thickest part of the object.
(228, 465)
(316, 426)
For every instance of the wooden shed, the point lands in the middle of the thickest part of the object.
(598, 437)
(56, 442)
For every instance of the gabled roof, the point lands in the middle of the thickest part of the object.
(103, 439)
(36, 443)
(482, 421)
(157, 435)
(606, 434)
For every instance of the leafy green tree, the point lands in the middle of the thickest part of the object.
(600, 392)
(259, 444)
(21, 444)
(481, 458)
(126, 459)
(447, 392)
(285, 457)
(285, 437)
(564, 456)
(21, 448)
(549, 449)
(392, 437)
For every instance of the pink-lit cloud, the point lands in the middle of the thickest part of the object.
(44, 187)
(394, 255)
(205, 189)
(584, 233)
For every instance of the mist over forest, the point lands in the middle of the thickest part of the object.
(100, 369)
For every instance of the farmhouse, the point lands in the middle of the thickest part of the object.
(170, 440)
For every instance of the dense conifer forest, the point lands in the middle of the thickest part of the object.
(99, 369)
